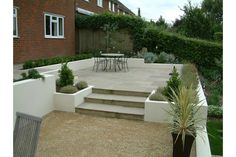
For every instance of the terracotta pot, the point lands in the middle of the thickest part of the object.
(178, 150)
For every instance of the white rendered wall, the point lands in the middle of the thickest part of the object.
(68, 102)
(34, 96)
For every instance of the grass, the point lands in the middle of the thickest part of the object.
(215, 131)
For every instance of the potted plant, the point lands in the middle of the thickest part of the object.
(184, 106)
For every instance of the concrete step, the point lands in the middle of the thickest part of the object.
(120, 92)
(120, 100)
(111, 111)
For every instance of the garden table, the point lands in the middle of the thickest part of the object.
(109, 57)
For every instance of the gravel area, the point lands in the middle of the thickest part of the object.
(66, 134)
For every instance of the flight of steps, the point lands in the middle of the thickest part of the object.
(114, 103)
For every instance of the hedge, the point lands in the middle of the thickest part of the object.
(55, 60)
(201, 52)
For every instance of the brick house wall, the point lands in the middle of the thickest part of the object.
(92, 6)
(31, 43)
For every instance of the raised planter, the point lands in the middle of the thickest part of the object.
(68, 102)
(34, 96)
(155, 110)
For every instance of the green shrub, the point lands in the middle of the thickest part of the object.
(32, 74)
(215, 111)
(189, 76)
(66, 76)
(55, 60)
(172, 84)
(201, 52)
(68, 89)
(218, 36)
(157, 96)
(165, 58)
(149, 57)
(81, 85)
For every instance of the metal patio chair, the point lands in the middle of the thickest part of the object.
(26, 133)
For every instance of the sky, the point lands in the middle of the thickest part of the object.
(153, 9)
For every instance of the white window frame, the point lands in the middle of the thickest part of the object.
(113, 7)
(109, 5)
(86, 0)
(15, 16)
(100, 3)
(54, 21)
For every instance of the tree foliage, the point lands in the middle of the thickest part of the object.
(201, 22)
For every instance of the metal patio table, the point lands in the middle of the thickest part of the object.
(112, 56)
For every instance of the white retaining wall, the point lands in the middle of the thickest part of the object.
(68, 102)
(34, 96)
(74, 66)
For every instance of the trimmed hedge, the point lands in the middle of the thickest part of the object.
(200, 52)
(55, 60)
(134, 24)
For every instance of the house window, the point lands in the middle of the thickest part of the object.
(15, 24)
(113, 7)
(100, 3)
(86, 0)
(53, 26)
(110, 5)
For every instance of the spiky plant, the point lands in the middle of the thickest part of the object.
(184, 106)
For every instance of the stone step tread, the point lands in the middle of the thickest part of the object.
(117, 97)
(112, 108)
(120, 91)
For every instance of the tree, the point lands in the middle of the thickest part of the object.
(195, 23)
(214, 11)
(161, 22)
(201, 22)
(109, 29)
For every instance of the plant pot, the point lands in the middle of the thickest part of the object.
(178, 150)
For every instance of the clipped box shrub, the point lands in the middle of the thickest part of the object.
(68, 89)
(66, 76)
(81, 85)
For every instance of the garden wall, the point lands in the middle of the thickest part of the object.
(34, 96)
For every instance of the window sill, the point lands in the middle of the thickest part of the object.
(100, 6)
(54, 37)
(16, 37)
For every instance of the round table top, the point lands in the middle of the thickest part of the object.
(112, 54)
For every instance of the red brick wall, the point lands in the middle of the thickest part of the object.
(31, 43)
(92, 6)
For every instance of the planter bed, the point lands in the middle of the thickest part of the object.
(67, 102)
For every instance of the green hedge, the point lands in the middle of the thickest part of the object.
(55, 60)
(134, 24)
(200, 52)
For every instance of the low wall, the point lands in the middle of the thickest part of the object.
(74, 66)
(68, 102)
(34, 96)
(155, 111)
(202, 144)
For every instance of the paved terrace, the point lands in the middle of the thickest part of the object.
(139, 77)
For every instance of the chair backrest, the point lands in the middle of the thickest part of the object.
(26, 133)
